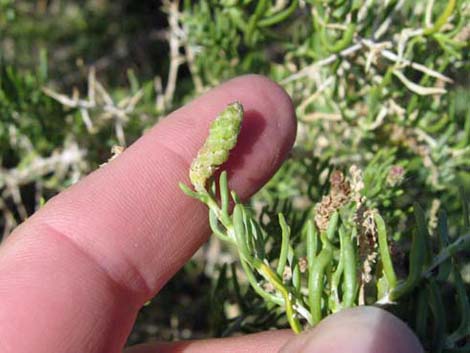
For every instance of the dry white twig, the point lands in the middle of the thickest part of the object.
(99, 99)
(175, 36)
(414, 87)
(375, 49)
(11, 181)
(41, 166)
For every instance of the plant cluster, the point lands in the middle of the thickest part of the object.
(381, 95)
(338, 255)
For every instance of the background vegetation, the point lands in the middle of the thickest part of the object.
(381, 90)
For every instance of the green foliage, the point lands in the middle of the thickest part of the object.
(343, 259)
(23, 103)
(381, 95)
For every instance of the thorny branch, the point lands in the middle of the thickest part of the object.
(99, 99)
(69, 162)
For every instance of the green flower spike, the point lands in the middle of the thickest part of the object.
(223, 134)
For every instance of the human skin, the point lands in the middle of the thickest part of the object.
(75, 274)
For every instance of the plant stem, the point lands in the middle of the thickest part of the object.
(277, 283)
(384, 252)
(459, 244)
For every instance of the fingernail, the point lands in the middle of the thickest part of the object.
(363, 329)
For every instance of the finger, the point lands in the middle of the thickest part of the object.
(265, 342)
(358, 330)
(85, 263)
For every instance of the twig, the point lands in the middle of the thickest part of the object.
(421, 90)
(460, 243)
(41, 166)
(99, 98)
(174, 40)
(308, 70)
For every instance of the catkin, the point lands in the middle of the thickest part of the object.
(223, 134)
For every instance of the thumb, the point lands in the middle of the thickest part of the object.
(358, 330)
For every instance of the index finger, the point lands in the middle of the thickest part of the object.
(119, 234)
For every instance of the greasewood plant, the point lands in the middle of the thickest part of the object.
(342, 256)
(381, 92)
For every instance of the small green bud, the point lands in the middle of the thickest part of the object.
(223, 134)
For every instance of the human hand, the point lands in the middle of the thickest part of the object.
(74, 276)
